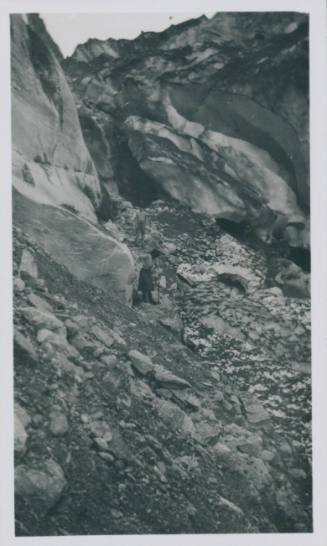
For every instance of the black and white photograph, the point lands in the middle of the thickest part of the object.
(161, 273)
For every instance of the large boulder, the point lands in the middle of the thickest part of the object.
(88, 253)
(43, 484)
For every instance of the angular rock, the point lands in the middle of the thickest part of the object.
(298, 473)
(191, 510)
(24, 348)
(141, 390)
(45, 483)
(219, 396)
(22, 414)
(174, 324)
(106, 457)
(58, 423)
(116, 513)
(301, 367)
(268, 455)
(254, 470)
(102, 335)
(68, 367)
(109, 360)
(189, 461)
(186, 397)
(101, 429)
(225, 503)
(251, 446)
(20, 435)
(255, 412)
(174, 417)
(81, 343)
(221, 327)
(169, 248)
(42, 319)
(118, 338)
(72, 327)
(164, 393)
(285, 448)
(28, 267)
(99, 351)
(40, 303)
(118, 447)
(101, 444)
(83, 322)
(107, 437)
(168, 379)
(274, 291)
(222, 450)
(207, 433)
(47, 336)
(226, 405)
(188, 428)
(19, 285)
(141, 362)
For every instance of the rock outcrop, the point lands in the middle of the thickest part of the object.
(88, 253)
(51, 163)
(57, 189)
(212, 112)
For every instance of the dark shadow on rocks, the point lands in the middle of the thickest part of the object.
(302, 257)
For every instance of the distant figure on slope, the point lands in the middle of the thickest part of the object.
(145, 284)
(156, 250)
(140, 221)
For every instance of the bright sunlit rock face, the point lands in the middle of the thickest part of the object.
(51, 163)
(53, 167)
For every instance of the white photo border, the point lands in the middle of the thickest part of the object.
(318, 171)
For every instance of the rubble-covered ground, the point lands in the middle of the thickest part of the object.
(191, 416)
(261, 340)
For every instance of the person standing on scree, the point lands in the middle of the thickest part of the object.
(145, 284)
(140, 221)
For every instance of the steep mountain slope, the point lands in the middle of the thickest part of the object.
(120, 428)
(214, 112)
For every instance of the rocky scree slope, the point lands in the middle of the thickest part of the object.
(214, 113)
(114, 435)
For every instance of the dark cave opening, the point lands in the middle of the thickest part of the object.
(302, 257)
(133, 183)
(239, 230)
(243, 232)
